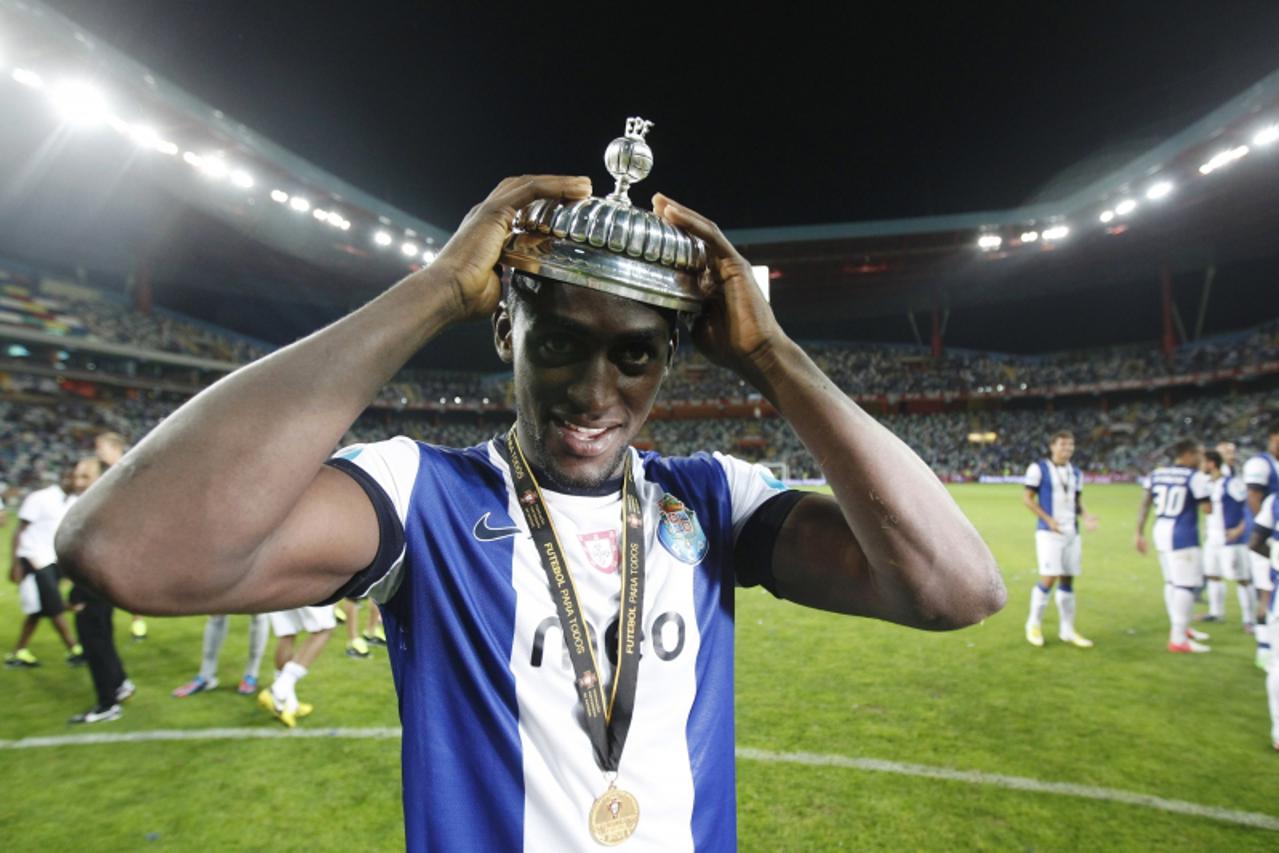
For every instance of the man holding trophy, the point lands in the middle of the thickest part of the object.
(558, 606)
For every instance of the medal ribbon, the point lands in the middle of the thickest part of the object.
(606, 724)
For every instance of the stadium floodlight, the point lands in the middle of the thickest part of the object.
(428, 256)
(1106, 215)
(1057, 232)
(279, 196)
(1125, 207)
(382, 238)
(299, 204)
(457, 400)
(27, 77)
(213, 166)
(148, 137)
(80, 104)
(1159, 190)
(242, 179)
(409, 249)
(1223, 158)
(486, 401)
(989, 242)
(1266, 135)
(320, 214)
(1029, 236)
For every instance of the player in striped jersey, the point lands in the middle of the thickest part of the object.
(1176, 493)
(1262, 544)
(1226, 544)
(625, 560)
(1261, 473)
(1054, 493)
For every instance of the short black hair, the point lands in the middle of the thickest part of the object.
(1061, 433)
(1181, 448)
(1214, 457)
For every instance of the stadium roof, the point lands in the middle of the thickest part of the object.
(169, 187)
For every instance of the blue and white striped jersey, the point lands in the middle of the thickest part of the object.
(495, 756)
(1177, 492)
(1058, 488)
(1229, 501)
(1262, 470)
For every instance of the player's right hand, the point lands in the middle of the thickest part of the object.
(1053, 525)
(1140, 543)
(470, 256)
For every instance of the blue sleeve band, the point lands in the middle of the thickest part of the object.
(390, 535)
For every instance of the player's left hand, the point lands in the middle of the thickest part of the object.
(736, 325)
(1140, 543)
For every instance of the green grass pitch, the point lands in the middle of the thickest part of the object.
(1125, 715)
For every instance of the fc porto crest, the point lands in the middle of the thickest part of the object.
(679, 531)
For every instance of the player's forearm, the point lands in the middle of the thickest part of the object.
(1142, 515)
(1036, 510)
(194, 500)
(925, 555)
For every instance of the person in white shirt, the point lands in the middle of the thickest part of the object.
(1226, 545)
(34, 569)
(1054, 493)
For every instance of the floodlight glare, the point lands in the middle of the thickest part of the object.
(27, 78)
(80, 104)
(242, 179)
(1057, 232)
(1223, 158)
(279, 196)
(213, 166)
(409, 249)
(382, 238)
(1125, 207)
(1029, 236)
(988, 242)
(320, 214)
(428, 256)
(1106, 215)
(1159, 190)
(299, 204)
(1266, 135)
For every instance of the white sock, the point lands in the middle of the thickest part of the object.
(259, 630)
(1247, 602)
(214, 637)
(1272, 693)
(1066, 610)
(285, 686)
(1183, 605)
(1168, 590)
(1217, 598)
(1038, 602)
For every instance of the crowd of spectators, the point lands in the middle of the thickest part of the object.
(158, 330)
(1124, 441)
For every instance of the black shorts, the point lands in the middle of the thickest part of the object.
(47, 586)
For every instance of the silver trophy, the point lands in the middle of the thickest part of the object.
(609, 244)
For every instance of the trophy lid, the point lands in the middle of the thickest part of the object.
(609, 244)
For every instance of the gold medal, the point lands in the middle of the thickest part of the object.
(614, 816)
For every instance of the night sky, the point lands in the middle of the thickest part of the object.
(789, 117)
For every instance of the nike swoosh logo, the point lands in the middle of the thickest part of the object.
(484, 533)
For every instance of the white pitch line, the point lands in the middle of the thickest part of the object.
(1016, 783)
(875, 765)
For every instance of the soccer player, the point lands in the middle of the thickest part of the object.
(109, 447)
(1261, 474)
(281, 698)
(347, 611)
(33, 566)
(1054, 494)
(214, 636)
(1176, 493)
(1226, 543)
(504, 747)
(1263, 531)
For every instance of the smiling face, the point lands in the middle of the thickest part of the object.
(1062, 448)
(588, 366)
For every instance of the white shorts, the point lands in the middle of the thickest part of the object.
(286, 623)
(29, 595)
(1058, 553)
(1261, 569)
(1183, 567)
(1228, 562)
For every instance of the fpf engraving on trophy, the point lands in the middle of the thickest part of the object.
(666, 648)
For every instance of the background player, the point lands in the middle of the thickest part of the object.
(1054, 493)
(33, 567)
(1226, 543)
(1261, 543)
(1176, 492)
(281, 698)
(1261, 474)
(109, 447)
(214, 636)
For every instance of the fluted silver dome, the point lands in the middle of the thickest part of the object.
(609, 244)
